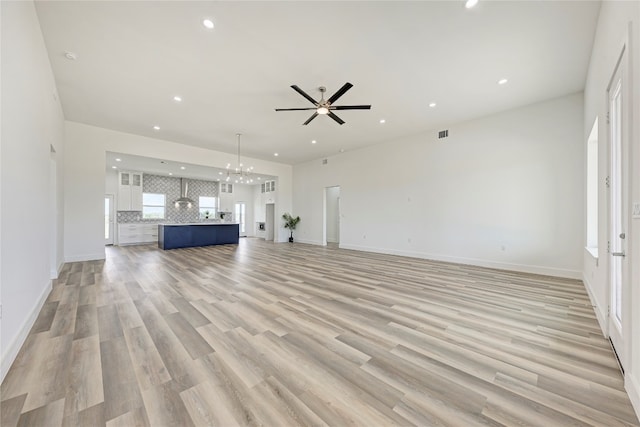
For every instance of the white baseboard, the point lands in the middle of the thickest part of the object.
(308, 242)
(600, 315)
(16, 343)
(55, 272)
(86, 257)
(632, 385)
(524, 268)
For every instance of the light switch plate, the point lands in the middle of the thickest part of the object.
(636, 210)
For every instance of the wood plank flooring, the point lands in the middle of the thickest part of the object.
(299, 335)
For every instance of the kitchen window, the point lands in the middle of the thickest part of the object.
(207, 206)
(153, 206)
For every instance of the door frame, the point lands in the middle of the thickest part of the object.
(111, 239)
(270, 222)
(620, 338)
(235, 206)
(325, 215)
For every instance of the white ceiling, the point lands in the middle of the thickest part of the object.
(133, 57)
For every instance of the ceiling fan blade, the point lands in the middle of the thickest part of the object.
(350, 107)
(336, 118)
(313, 116)
(303, 93)
(339, 93)
(296, 109)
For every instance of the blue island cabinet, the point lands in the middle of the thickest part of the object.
(173, 236)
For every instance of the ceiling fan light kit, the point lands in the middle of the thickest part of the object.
(323, 107)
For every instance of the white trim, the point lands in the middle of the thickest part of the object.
(593, 251)
(14, 347)
(534, 269)
(86, 257)
(600, 315)
(56, 272)
(632, 387)
(307, 242)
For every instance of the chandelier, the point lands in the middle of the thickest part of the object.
(239, 173)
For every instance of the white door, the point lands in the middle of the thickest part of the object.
(240, 213)
(53, 194)
(618, 185)
(108, 219)
(269, 223)
(332, 214)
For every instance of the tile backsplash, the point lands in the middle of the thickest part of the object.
(170, 187)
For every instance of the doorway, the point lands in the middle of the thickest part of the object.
(108, 219)
(269, 223)
(332, 216)
(53, 226)
(240, 215)
(618, 119)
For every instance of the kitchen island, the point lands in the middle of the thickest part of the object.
(173, 236)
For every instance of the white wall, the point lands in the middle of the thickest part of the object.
(85, 180)
(613, 29)
(111, 185)
(32, 122)
(503, 191)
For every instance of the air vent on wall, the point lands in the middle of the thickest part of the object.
(325, 161)
(443, 134)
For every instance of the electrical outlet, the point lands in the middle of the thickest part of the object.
(636, 210)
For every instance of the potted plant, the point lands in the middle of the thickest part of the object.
(290, 223)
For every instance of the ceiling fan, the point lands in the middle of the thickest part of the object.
(326, 107)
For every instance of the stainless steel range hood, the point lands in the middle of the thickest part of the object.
(184, 189)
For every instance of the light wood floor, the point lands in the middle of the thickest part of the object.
(291, 334)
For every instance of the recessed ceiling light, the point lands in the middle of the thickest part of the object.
(177, 98)
(170, 173)
(314, 141)
(219, 173)
(259, 178)
(70, 56)
(502, 81)
(114, 167)
(433, 104)
(208, 23)
(275, 154)
(383, 121)
(118, 160)
(470, 3)
(182, 167)
(156, 128)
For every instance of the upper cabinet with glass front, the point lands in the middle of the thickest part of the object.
(129, 191)
(268, 187)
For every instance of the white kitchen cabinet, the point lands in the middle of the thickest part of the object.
(226, 197)
(226, 202)
(137, 234)
(130, 191)
(268, 187)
